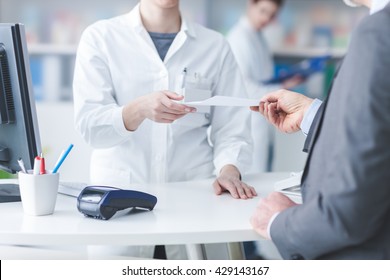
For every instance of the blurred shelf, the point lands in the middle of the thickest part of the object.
(52, 49)
(310, 52)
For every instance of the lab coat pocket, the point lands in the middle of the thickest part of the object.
(198, 82)
(198, 89)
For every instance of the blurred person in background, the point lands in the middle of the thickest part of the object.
(255, 61)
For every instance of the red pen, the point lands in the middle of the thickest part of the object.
(42, 169)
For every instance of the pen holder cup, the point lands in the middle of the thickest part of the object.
(38, 193)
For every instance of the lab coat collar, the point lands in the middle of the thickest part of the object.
(188, 28)
(136, 23)
(378, 5)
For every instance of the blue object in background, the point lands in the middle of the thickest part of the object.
(303, 69)
(36, 68)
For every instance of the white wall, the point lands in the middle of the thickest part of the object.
(57, 132)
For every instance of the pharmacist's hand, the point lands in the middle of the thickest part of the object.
(284, 109)
(162, 108)
(229, 181)
(159, 106)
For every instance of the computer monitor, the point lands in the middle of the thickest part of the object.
(19, 133)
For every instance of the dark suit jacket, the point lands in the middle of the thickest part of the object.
(346, 183)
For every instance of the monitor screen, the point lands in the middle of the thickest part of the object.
(19, 134)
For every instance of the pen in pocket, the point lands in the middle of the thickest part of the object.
(183, 78)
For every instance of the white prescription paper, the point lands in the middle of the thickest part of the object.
(225, 101)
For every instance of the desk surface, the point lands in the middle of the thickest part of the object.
(186, 213)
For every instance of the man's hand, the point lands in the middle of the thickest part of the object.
(229, 181)
(284, 109)
(267, 207)
(158, 106)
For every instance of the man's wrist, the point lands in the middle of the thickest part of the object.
(270, 224)
(308, 104)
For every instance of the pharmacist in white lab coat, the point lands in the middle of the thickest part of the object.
(128, 72)
(256, 64)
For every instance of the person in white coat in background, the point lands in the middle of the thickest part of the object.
(256, 64)
(129, 73)
(255, 61)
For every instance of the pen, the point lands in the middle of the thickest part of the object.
(184, 76)
(22, 166)
(197, 77)
(62, 158)
(37, 165)
(42, 169)
(59, 158)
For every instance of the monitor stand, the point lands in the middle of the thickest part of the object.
(9, 193)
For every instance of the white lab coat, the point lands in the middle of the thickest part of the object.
(118, 62)
(256, 64)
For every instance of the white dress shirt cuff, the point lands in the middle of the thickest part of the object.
(270, 224)
(310, 115)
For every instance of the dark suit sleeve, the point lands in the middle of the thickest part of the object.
(353, 205)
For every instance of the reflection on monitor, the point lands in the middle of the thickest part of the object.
(19, 134)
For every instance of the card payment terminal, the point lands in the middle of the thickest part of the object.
(102, 202)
